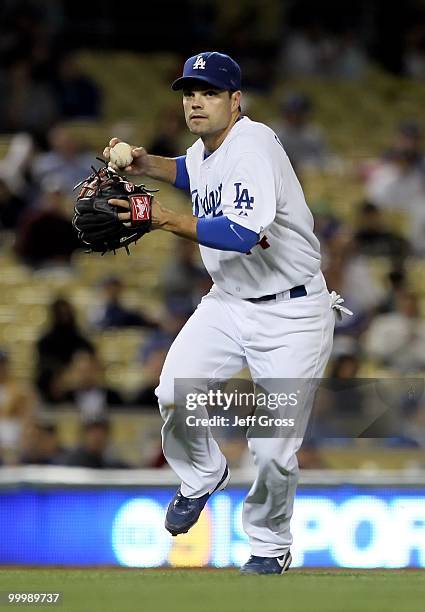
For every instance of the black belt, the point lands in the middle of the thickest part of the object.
(295, 292)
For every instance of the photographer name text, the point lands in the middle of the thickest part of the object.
(249, 421)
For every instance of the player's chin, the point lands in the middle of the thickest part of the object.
(198, 127)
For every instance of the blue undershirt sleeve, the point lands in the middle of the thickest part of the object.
(182, 177)
(225, 235)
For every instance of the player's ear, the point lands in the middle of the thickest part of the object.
(236, 100)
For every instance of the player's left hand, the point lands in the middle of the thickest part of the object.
(158, 213)
(121, 204)
(96, 220)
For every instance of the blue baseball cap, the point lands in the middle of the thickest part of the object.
(214, 68)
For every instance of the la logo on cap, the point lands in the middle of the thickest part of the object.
(199, 63)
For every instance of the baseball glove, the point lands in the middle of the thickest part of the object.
(97, 222)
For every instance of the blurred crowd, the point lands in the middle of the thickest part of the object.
(42, 91)
(69, 372)
(387, 329)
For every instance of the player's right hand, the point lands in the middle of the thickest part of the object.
(140, 159)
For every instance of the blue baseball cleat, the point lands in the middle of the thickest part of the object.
(267, 565)
(183, 512)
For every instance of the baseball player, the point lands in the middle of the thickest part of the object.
(269, 308)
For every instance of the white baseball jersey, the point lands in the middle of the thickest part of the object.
(249, 178)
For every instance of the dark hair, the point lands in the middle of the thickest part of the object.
(369, 207)
(342, 360)
(397, 277)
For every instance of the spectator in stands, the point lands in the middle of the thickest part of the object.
(184, 280)
(338, 414)
(345, 366)
(414, 52)
(326, 223)
(56, 347)
(46, 237)
(177, 311)
(77, 95)
(28, 103)
(15, 165)
(409, 138)
(86, 388)
(11, 207)
(27, 29)
(302, 140)
(94, 450)
(166, 140)
(17, 406)
(350, 58)
(373, 238)
(112, 312)
(42, 444)
(348, 272)
(397, 182)
(347, 392)
(396, 287)
(397, 339)
(152, 357)
(397, 166)
(308, 51)
(155, 348)
(67, 161)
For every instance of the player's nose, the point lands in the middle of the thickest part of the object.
(197, 100)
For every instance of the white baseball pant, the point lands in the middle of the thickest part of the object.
(286, 338)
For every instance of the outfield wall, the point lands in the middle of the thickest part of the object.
(68, 516)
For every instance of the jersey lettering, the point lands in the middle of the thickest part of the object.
(210, 202)
(242, 199)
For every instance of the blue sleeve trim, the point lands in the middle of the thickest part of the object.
(182, 177)
(221, 233)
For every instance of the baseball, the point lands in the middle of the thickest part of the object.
(120, 155)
